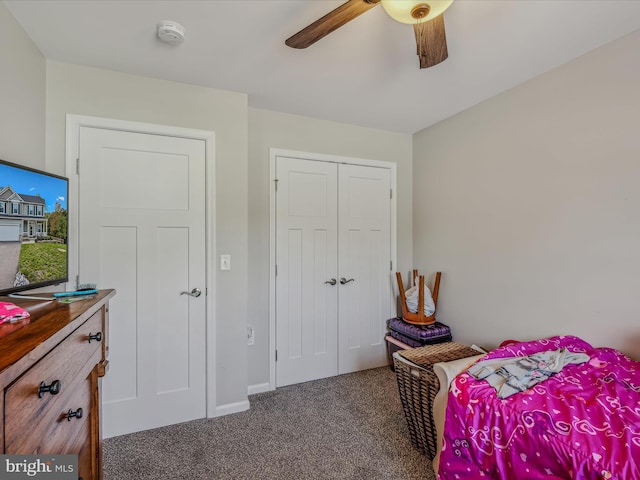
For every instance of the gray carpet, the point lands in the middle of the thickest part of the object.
(346, 427)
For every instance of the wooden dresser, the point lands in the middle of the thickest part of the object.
(50, 374)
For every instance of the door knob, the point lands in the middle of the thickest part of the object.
(344, 280)
(196, 292)
(331, 282)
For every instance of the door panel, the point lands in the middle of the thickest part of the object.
(142, 232)
(365, 303)
(173, 349)
(118, 259)
(306, 253)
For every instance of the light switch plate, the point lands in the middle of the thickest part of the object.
(225, 262)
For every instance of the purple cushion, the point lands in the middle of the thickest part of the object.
(423, 334)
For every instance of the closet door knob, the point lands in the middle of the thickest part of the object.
(331, 282)
(344, 280)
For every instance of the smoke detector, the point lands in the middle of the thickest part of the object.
(170, 32)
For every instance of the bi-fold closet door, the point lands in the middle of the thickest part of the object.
(333, 260)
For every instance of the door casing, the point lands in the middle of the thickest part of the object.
(73, 124)
(273, 154)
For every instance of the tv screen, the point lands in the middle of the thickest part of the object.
(33, 228)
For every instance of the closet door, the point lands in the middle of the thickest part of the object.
(306, 258)
(364, 262)
(333, 256)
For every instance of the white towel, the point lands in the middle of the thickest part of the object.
(412, 299)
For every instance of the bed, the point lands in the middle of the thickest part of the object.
(581, 423)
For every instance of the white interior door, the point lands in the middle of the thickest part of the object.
(142, 232)
(306, 298)
(333, 222)
(365, 293)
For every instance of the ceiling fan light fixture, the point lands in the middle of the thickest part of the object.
(415, 11)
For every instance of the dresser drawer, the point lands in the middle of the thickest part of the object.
(58, 433)
(69, 363)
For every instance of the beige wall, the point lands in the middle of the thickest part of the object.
(529, 203)
(269, 129)
(22, 95)
(101, 93)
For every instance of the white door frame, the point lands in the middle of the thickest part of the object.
(277, 152)
(74, 122)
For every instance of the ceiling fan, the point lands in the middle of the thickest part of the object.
(425, 15)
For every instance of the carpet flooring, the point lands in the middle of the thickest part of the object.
(345, 427)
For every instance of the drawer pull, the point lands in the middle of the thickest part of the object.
(53, 389)
(97, 337)
(76, 414)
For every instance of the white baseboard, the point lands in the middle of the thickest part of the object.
(230, 408)
(259, 388)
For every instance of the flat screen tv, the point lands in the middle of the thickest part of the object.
(33, 228)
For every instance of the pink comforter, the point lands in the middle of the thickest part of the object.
(582, 423)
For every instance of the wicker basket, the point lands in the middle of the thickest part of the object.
(418, 385)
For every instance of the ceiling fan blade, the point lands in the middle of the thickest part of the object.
(330, 22)
(431, 41)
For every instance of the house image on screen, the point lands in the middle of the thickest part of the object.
(21, 216)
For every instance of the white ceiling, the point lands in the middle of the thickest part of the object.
(365, 73)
